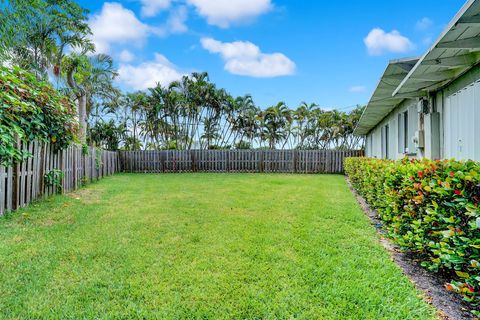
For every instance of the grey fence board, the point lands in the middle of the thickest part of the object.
(268, 161)
(24, 182)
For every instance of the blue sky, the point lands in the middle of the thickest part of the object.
(328, 52)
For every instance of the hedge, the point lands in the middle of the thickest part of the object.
(32, 110)
(431, 209)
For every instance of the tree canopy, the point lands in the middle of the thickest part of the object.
(194, 113)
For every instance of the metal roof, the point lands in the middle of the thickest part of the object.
(456, 51)
(382, 102)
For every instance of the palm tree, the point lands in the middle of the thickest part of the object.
(106, 134)
(89, 78)
(210, 132)
(196, 90)
(274, 123)
(303, 119)
(36, 33)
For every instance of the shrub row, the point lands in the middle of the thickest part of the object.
(430, 208)
(32, 110)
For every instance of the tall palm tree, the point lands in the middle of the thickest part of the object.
(89, 78)
(274, 122)
(303, 119)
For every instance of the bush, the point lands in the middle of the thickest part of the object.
(430, 208)
(32, 110)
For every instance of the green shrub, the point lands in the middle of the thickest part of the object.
(54, 179)
(430, 208)
(32, 110)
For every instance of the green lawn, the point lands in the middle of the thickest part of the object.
(201, 246)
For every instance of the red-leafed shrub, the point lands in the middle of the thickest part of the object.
(430, 208)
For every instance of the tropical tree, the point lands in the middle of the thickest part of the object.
(193, 113)
(107, 134)
(36, 33)
(90, 78)
(274, 124)
(303, 119)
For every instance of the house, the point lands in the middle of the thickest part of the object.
(430, 106)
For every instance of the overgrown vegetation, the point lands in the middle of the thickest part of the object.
(430, 208)
(201, 246)
(51, 39)
(54, 179)
(32, 110)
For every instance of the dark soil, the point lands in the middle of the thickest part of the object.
(450, 305)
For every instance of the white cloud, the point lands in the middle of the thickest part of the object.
(378, 42)
(148, 74)
(424, 24)
(245, 58)
(223, 13)
(357, 89)
(117, 25)
(126, 56)
(177, 19)
(176, 22)
(150, 8)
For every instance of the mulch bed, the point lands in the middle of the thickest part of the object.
(450, 305)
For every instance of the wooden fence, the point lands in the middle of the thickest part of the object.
(281, 161)
(24, 182)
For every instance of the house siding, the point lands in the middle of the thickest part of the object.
(459, 107)
(452, 125)
(375, 147)
(461, 118)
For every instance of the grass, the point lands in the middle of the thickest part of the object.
(201, 246)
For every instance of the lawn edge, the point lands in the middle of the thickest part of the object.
(448, 304)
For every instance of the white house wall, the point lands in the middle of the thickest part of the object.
(459, 106)
(452, 126)
(462, 123)
(374, 146)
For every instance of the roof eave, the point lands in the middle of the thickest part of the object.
(451, 25)
(361, 128)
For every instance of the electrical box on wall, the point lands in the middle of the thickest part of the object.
(423, 106)
(419, 139)
(435, 136)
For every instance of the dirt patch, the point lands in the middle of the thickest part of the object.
(64, 220)
(450, 305)
(86, 195)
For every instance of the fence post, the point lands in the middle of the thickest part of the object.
(261, 165)
(227, 161)
(192, 158)
(295, 161)
(16, 181)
